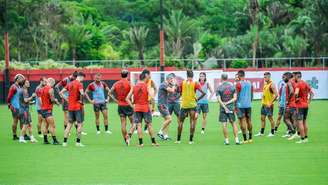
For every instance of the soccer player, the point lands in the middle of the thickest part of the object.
(285, 92)
(24, 113)
(119, 93)
(99, 101)
(75, 107)
(47, 100)
(164, 89)
(138, 98)
(202, 104)
(152, 92)
(303, 94)
(226, 95)
(268, 98)
(13, 102)
(291, 110)
(244, 90)
(189, 104)
(63, 83)
(38, 90)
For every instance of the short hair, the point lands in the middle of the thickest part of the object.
(51, 81)
(171, 75)
(298, 73)
(74, 74)
(224, 76)
(190, 73)
(267, 74)
(80, 74)
(124, 73)
(18, 76)
(241, 73)
(203, 73)
(143, 74)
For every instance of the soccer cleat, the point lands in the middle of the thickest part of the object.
(155, 144)
(64, 144)
(140, 146)
(56, 143)
(22, 140)
(161, 136)
(286, 135)
(33, 140)
(305, 140)
(259, 134)
(146, 131)
(292, 137)
(238, 143)
(15, 138)
(245, 142)
(108, 132)
(46, 142)
(79, 145)
(98, 132)
(84, 133)
(250, 141)
(300, 141)
(27, 138)
(226, 143)
(167, 138)
(191, 142)
(177, 142)
(270, 135)
(202, 132)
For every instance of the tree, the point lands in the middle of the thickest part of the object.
(137, 36)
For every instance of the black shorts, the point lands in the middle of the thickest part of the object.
(164, 110)
(225, 117)
(282, 111)
(244, 112)
(77, 115)
(174, 107)
(39, 112)
(267, 111)
(139, 116)
(302, 113)
(202, 108)
(291, 113)
(46, 113)
(99, 107)
(125, 111)
(185, 111)
(14, 112)
(25, 117)
(65, 106)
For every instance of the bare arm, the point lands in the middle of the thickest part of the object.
(110, 93)
(129, 98)
(232, 100)
(275, 92)
(52, 97)
(61, 94)
(87, 96)
(222, 104)
(26, 98)
(211, 91)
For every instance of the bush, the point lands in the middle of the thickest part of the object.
(50, 64)
(239, 64)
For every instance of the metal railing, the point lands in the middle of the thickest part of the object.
(209, 63)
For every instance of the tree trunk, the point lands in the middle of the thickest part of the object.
(141, 58)
(253, 12)
(74, 55)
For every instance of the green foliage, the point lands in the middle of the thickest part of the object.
(239, 64)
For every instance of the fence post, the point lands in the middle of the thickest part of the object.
(224, 64)
(290, 63)
(323, 63)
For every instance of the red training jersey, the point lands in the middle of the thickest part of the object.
(46, 103)
(74, 101)
(140, 96)
(292, 100)
(304, 90)
(122, 89)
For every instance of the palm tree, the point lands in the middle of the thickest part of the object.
(254, 9)
(76, 33)
(178, 27)
(137, 36)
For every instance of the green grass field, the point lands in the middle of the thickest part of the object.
(106, 160)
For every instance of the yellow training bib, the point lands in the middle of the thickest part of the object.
(268, 94)
(188, 96)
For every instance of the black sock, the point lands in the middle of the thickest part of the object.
(45, 138)
(106, 127)
(191, 137)
(130, 135)
(203, 129)
(302, 138)
(78, 140)
(250, 136)
(245, 137)
(262, 131)
(15, 135)
(65, 139)
(275, 129)
(298, 133)
(272, 131)
(48, 132)
(140, 141)
(39, 132)
(153, 140)
(65, 127)
(97, 126)
(25, 135)
(54, 138)
(306, 137)
(179, 137)
(76, 126)
(145, 128)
